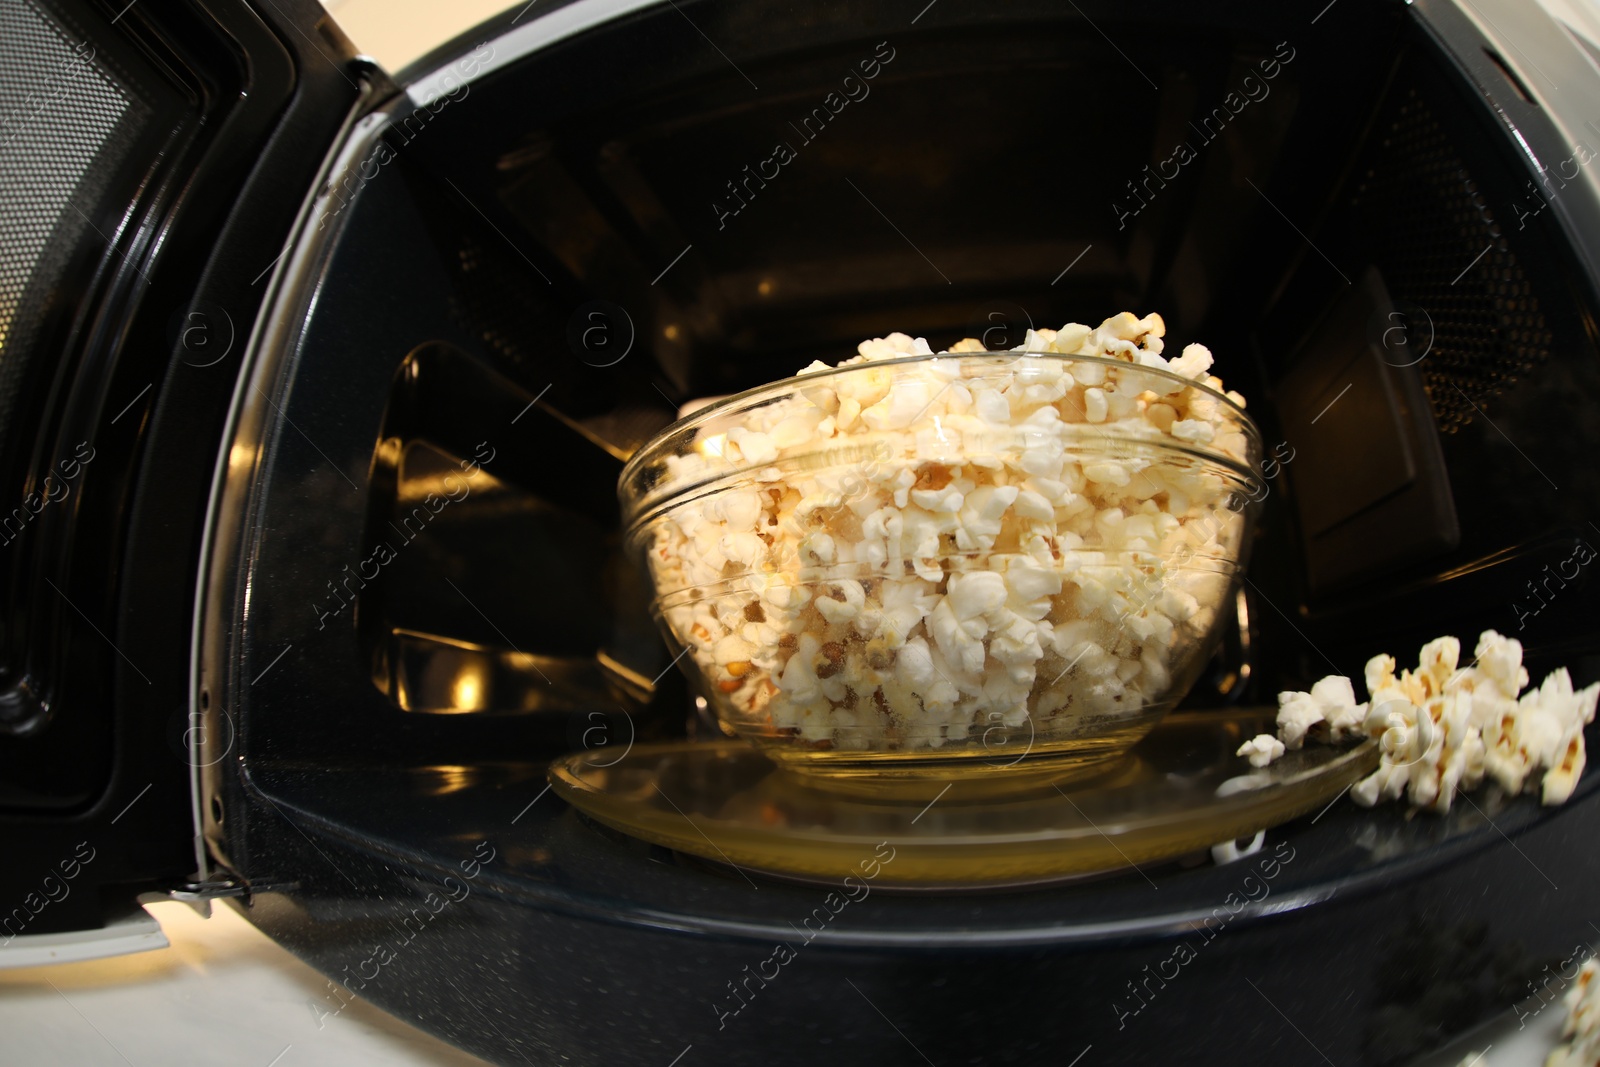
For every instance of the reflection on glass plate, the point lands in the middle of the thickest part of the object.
(1179, 791)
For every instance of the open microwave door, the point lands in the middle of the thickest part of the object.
(153, 158)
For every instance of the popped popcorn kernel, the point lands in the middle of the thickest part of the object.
(1580, 1030)
(1261, 750)
(935, 550)
(1443, 728)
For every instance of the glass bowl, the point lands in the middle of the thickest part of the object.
(947, 566)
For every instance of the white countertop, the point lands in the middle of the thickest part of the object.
(223, 993)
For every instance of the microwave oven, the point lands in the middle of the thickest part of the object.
(316, 383)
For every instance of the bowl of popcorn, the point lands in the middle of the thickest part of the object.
(966, 564)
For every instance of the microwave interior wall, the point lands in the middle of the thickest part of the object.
(985, 172)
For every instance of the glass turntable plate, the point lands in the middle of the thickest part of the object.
(1179, 791)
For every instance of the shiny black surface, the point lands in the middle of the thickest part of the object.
(572, 942)
(145, 372)
(578, 175)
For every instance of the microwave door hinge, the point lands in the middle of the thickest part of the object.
(199, 895)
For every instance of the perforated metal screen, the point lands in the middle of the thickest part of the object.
(65, 124)
(1428, 218)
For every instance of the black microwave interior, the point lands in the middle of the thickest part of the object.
(1332, 208)
(1325, 217)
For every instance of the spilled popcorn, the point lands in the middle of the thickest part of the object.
(913, 554)
(1261, 749)
(1442, 728)
(1581, 1028)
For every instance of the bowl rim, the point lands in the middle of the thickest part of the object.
(647, 451)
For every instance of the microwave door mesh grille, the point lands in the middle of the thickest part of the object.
(1443, 249)
(62, 131)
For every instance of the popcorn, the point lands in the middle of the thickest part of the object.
(1406, 737)
(927, 551)
(1193, 431)
(1545, 731)
(1331, 702)
(1297, 714)
(1581, 1028)
(1261, 749)
(1443, 728)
